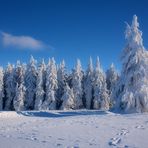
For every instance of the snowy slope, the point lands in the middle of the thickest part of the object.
(73, 129)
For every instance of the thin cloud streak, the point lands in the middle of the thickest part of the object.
(22, 42)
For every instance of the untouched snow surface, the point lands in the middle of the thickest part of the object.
(73, 129)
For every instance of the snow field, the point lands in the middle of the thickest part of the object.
(73, 129)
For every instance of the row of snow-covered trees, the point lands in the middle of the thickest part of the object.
(48, 86)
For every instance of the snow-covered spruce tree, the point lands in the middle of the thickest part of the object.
(88, 85)
(1, 88)
(19, 98)
(30, 83)
(61, 77)
(111, 80)
(132, 92)
(77, 77)
(67, 99)
(51, 86)
(40, 92)
(9, 84)
(101, 98)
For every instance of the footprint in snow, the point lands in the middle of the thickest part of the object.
(76, 146)
(123, 132)
(60, 139)
(72, 147)
(114, 141)
(91, 144)
(59, 144)
(33, 138)
(43, 141)
(33, 134)
(139, 127)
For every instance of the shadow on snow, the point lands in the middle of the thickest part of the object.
(59, 114)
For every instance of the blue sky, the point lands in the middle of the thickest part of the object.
(67, 29)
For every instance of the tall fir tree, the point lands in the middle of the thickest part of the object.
(132, 91)
(18, 101)
(77, 77)
(51, 86)
(111, 80)
(67, 99)
(88, 85)
(30, 83)
(101, 98)
(9, 84)
(40, 92)
(62, 79)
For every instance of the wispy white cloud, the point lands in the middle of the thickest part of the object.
(22, 42)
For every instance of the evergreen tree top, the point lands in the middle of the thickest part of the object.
(98, 66)
(133, 35)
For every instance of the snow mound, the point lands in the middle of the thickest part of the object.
(9, 114)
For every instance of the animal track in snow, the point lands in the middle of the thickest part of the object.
(115, 141)
(139, 127)
(123, 132)
(60, 139)
(59, 144)
(44, 141)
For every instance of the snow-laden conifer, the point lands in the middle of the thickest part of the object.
(111, 80)
(88, 84)
(30, 83)
(61, 77)
(77, 77)
(51, 86)
(40, 92)
(18, 101)
(9, 84)
(132, 92)
(67, 99)
(101, 98)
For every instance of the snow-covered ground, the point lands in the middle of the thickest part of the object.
(73, 129)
